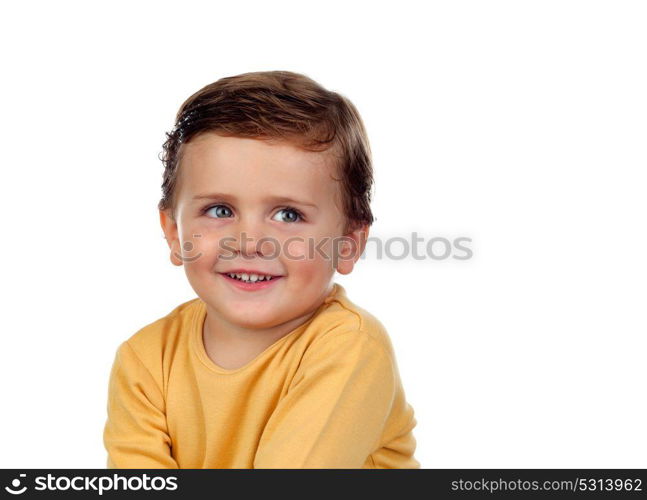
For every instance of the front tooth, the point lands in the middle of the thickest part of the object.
(245, 276)
(253, 277)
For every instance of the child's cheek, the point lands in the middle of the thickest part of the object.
(314, 252)
(295, 250)
(189, 248)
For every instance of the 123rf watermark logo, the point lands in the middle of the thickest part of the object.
(98, 484)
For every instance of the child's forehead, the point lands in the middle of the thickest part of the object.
(233, 164)
(211, 146)
(234, 156)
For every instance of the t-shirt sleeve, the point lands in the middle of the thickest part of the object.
(135, 434)
(334, 413)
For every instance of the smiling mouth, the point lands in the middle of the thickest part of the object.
(251, 277)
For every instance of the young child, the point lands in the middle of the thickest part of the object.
(272, 365)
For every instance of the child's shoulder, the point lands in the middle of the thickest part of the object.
(344, 317)
(155, 337)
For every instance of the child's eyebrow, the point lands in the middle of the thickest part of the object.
(227, 197)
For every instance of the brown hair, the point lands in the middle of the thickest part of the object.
(278, 105)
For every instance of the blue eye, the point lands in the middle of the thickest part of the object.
(222, 211)
(294, 215)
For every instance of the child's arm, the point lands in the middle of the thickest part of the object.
(135, 434)
(334, 413)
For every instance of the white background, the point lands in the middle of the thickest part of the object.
(518, 124)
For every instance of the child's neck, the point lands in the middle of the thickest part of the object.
(231, 346)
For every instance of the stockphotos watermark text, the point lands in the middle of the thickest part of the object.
(88, 483)
(437, 248)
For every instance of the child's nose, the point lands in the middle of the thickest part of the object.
(248, 232)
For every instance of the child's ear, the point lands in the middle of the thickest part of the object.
(169, 226)
(350, 247)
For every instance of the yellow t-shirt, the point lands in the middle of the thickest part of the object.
(326, 395)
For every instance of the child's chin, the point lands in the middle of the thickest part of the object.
(252, 317)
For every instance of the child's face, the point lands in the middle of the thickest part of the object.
(252, 176)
